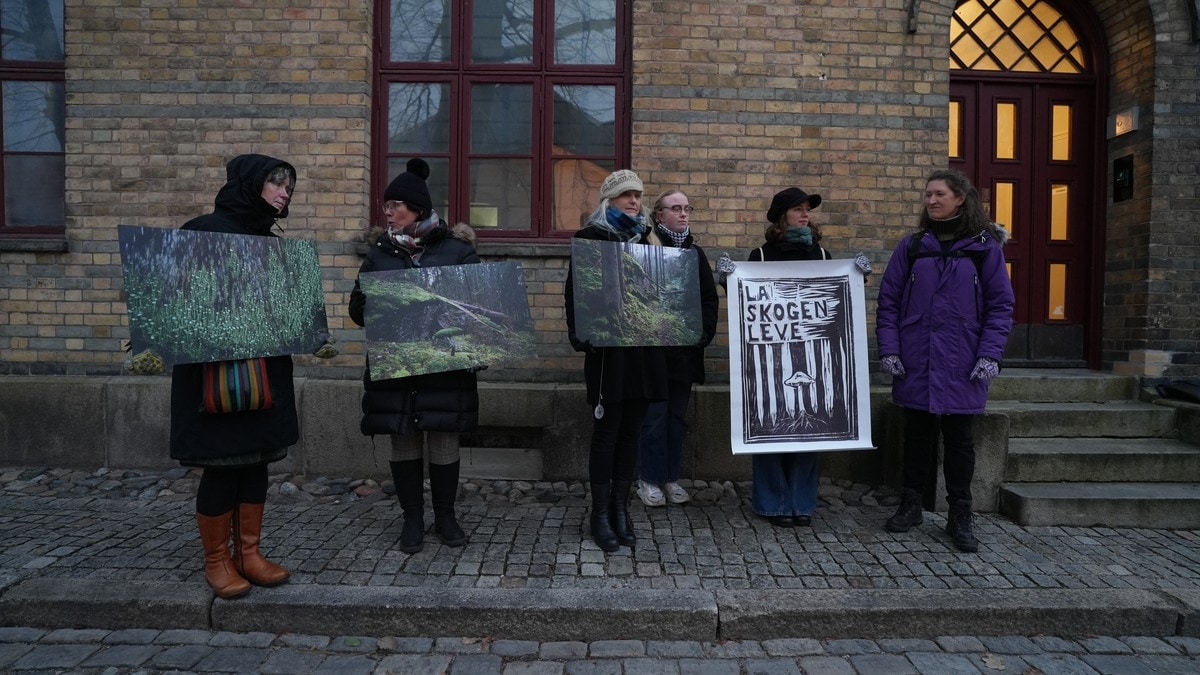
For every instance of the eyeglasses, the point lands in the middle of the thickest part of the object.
(393, 204)
(679, 208)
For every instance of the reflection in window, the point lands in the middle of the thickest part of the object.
(585, 31)
(417, 119)
(1059, 207)
(1057, 294)
(31, 30)
(1006, 130)
(500, 118)
(1028, 36)
(420, 31)
(583, 119)
(500, 193)
(1061, 129)
(34, 116)
(502, 31)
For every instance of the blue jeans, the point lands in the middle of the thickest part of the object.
(784, 484)
(660, 447)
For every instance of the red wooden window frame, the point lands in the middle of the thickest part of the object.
(459, 73)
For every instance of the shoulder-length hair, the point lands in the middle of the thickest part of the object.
(974, 218)
(777, 231)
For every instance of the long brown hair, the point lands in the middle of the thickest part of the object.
(974, 218)
(777, 231)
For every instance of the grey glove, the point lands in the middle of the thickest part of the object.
(891, 365)
(985, 369)
(863, 263)
(327, 350)
(725, 267)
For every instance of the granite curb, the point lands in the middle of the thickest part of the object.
(600, 614)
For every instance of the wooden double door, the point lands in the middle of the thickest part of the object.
(1029, 146)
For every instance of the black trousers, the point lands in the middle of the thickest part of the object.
(615, 442)
(921, 431)
(221, 489)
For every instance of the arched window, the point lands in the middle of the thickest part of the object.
(1027, 36)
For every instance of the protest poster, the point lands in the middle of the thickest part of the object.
(452, 317)
(798, 357)
(634, 295)
(197, 297)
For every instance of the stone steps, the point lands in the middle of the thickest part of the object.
(1102, 460)
(1074, 419)
(1139, 504)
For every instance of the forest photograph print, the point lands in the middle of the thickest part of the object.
(437, 319)
(196, 297)
(632, 295)
(796, 346)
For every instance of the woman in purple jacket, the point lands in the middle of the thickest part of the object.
(944, 314)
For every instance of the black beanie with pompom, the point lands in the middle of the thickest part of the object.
(410, 188)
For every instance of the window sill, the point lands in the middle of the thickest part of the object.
(34, 244)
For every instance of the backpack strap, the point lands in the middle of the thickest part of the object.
(914, 252)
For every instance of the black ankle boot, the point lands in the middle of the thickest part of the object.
(602, 532)
(443, 488)
(908, 515)
(960, 527)
(410, 492)
(618, 513)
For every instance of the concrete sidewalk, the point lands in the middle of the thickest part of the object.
(121, 550)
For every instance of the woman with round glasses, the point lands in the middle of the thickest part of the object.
(424, 414)
(660, 447)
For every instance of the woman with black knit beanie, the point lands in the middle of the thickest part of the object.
(423, 414)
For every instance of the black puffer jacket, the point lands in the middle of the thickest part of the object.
(437, 401)
(617, 372)
(198, 438)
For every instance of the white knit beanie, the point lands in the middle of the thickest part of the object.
(618, 182)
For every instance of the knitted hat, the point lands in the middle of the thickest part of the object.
(620, 181)
(410, 188)
(786, 199)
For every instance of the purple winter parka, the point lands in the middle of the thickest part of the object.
(940, 315)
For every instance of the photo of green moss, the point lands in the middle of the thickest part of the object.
(195, 297)
(630, 295)
(438, 319)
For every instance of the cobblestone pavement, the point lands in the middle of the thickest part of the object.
(139, 525)
(130, 525)
(30, 650)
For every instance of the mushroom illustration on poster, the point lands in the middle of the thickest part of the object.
(798, 378)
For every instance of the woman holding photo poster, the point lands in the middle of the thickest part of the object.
(234, 448)
(784, 484)
(621, 381)
(423, 414)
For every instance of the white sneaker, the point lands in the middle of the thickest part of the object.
(676, 494)
(650, 494)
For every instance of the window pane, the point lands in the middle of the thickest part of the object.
(501, 118)
(577, 190)
(33, 30)
(1004, 206)
(502, 31)
(421, 31)
(583, 120)
(585, 31)
(34, 114)
(1006, 130)
(418, 117)
(955, 130)
(1059, 206)
(500, 193)
(1061, 141)
(35, 190)
(438, 182)
(1057, 292)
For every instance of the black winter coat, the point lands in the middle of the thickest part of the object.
(437, 401)
(687, 363)
(616, 372)
(245, 438)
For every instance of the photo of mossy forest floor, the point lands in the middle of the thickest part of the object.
(195, 297)
(438, 319)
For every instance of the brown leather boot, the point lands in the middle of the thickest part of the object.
(247, 530)
(218, 566)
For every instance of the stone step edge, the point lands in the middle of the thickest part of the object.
(601, 614)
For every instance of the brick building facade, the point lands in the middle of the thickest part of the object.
(730, 100)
